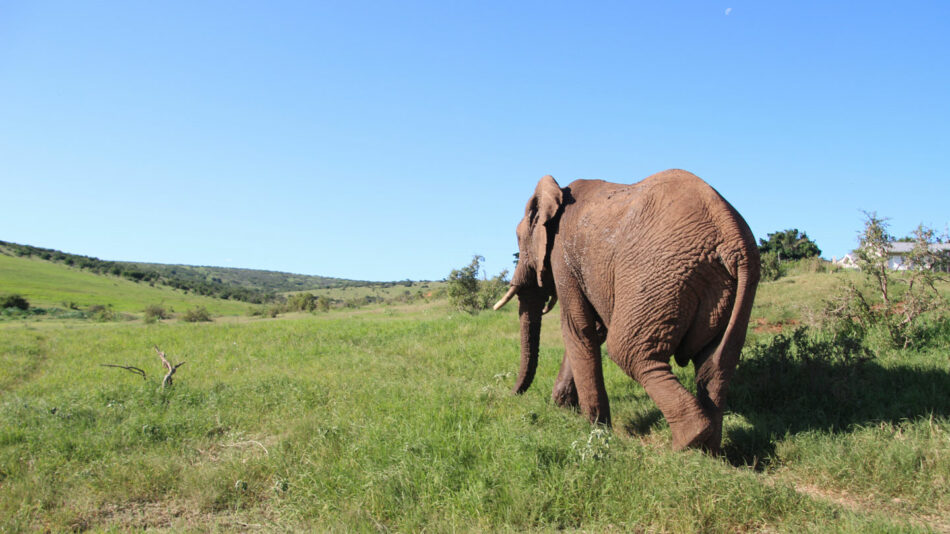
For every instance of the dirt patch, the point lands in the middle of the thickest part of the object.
(763, 326)
(170, 516)
(865, 504)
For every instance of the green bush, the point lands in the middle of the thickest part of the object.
(789, 245)
(463, 286)
(14, 301)
(155, 312)
(772, 268)
(469, 294)
(196, 315)
(902, 309)
(101, 313)
(302, 302)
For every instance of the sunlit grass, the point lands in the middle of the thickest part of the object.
(400, 418)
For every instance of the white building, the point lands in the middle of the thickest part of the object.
(898, 251)
(896, 256)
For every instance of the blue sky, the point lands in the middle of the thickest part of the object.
(393, 140)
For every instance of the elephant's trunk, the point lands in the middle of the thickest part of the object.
(530, 303)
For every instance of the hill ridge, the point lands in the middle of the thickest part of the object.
(248, 285)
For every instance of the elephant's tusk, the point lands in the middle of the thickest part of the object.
(550, 305)
(504, 300)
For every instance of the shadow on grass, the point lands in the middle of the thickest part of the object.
(642, 423)
(797, 383)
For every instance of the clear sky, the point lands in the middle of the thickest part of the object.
(393, 140)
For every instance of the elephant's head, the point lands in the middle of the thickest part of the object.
(532, 280)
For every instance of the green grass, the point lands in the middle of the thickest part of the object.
(52, 285)
(399, 418)
(390, 292)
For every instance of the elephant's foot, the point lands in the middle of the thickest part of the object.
(713, 443)
(565, 395)
(691, 433)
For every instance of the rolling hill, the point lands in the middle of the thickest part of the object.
(247, 285)
(49, 285)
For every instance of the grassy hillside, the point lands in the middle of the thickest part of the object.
(53, 285)
(248, 285)
(399, 418)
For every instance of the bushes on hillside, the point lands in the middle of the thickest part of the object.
(197, 314)
(98, 312)
(155, 312)
(14, 301)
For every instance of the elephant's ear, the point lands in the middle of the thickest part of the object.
(546, 202)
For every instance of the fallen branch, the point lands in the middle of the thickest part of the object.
(167, 381)
(133, 369)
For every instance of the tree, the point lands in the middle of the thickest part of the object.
(904, 297)
(468, 293)
(872, 252)
(463, 286)
(789, 245)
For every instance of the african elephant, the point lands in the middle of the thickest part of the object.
(663, 267)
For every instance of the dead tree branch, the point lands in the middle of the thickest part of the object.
(131, 368)
(167, 381)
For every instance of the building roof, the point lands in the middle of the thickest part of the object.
(904, 247)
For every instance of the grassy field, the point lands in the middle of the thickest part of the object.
(414, 290)
(399, 418)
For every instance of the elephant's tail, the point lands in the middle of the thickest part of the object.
(744, 265)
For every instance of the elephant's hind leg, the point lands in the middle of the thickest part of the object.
(713, 373)
(648, 362)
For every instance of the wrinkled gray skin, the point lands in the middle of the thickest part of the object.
(658, 269)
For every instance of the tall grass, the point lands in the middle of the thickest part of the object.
(401, 419)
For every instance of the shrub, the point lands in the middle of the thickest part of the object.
(155, 312)
(469, 294)
(302, 302)
(906, 306)
(196, 315)
(463, 286)
(771, 266)
(14, 301)
(491, 290)
(98, 312)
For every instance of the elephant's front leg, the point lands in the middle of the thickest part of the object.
(582, 358)
(565, 392)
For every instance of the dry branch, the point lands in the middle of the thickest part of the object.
(167, 381)
(131, 368)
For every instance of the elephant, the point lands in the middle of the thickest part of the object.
(661, 268)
